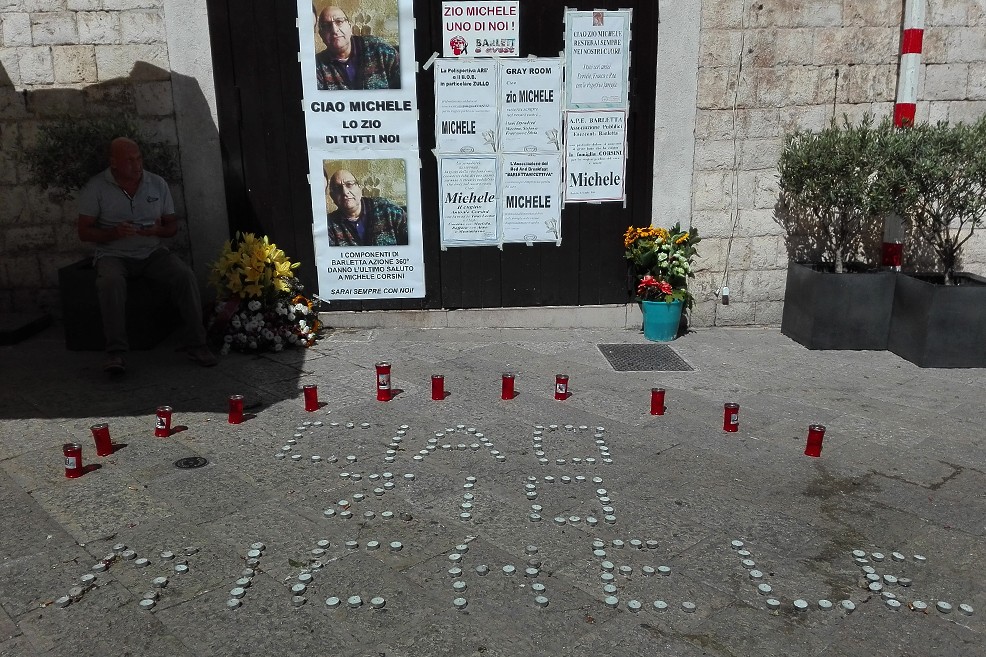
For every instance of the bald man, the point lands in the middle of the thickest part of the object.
(361, 221)
(126, 211)
(353, 62)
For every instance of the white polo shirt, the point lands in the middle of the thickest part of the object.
(104, 199)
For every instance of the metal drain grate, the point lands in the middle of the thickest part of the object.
(190, 462)
(643, 358)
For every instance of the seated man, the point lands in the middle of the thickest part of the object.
(126, 211)
(362, 221)
(353, 62)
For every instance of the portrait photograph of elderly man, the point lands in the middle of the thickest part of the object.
(371, 213)
(352, 58)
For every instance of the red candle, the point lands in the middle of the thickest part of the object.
(730, 417)
(657, 401)
(507, 386)
(816, 433)
(72, 452)
(561, 386)
(101, 434)
(236, 408)
(437, 387)
(311, 397)
(383, 381)
(162, 426)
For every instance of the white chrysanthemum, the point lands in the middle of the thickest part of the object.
(228, 339)
(278, 346)
(225, 350)
(278, 339)
(290, 317)
(293, 339)
(254, 305)
(252, 345)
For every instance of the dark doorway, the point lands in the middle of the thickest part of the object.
(262, 135)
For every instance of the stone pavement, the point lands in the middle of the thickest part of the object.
(902, 471)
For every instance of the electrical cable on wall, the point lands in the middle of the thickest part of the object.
(734, 180)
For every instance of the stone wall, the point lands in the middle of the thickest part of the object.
(767, 67)
(59, 58)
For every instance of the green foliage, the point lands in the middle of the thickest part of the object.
(942, 177)
(661, 261)
(830, 203)
(838, 184)
(68, 152)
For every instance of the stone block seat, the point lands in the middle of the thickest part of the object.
(151, 314)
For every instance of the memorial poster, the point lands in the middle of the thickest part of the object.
(360, 103)
(530, 189)
(530, 119)
(597, 58)
(595, 156)
(465, 106)
(468, 201)
(489, 28)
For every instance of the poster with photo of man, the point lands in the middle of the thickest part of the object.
(358, 73)
(357, 49)
(368, 232)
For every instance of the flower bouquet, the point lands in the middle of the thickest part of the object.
(260, 305)
(661, 262)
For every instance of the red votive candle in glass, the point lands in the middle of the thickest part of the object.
(383, 381)
(657, 401)
(816, 433)
(236, 409)
(561, 386)
(311, 397)
(893, 255)
(101, 434)
(162, 426)
(730, 417)
(437, 387)
(72, 452)
(507, 386)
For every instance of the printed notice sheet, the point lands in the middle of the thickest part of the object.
(530, 190)
(595, 156)
(465, 106)
(468, 201)
(597, 58)
(530, 93)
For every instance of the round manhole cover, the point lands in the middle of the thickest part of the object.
(190, 462)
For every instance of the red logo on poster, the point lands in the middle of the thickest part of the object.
(458, 45)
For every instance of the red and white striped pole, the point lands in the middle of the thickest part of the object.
(910, 59)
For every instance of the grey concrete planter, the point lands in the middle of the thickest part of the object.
(825, 310)
(934, 325)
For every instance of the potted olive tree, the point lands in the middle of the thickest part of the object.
(831, 206)
(939, 318)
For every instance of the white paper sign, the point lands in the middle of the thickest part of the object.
(595, 155)
(530, 94)
(383, 258)
(358, 89)
(468, 200)
(597, 58)
(530, 191)
(481, 29)
(465, 106)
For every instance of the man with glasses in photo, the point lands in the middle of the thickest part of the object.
(353, 62)
(362, 221)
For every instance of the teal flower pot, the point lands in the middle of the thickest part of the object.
(661, 319)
